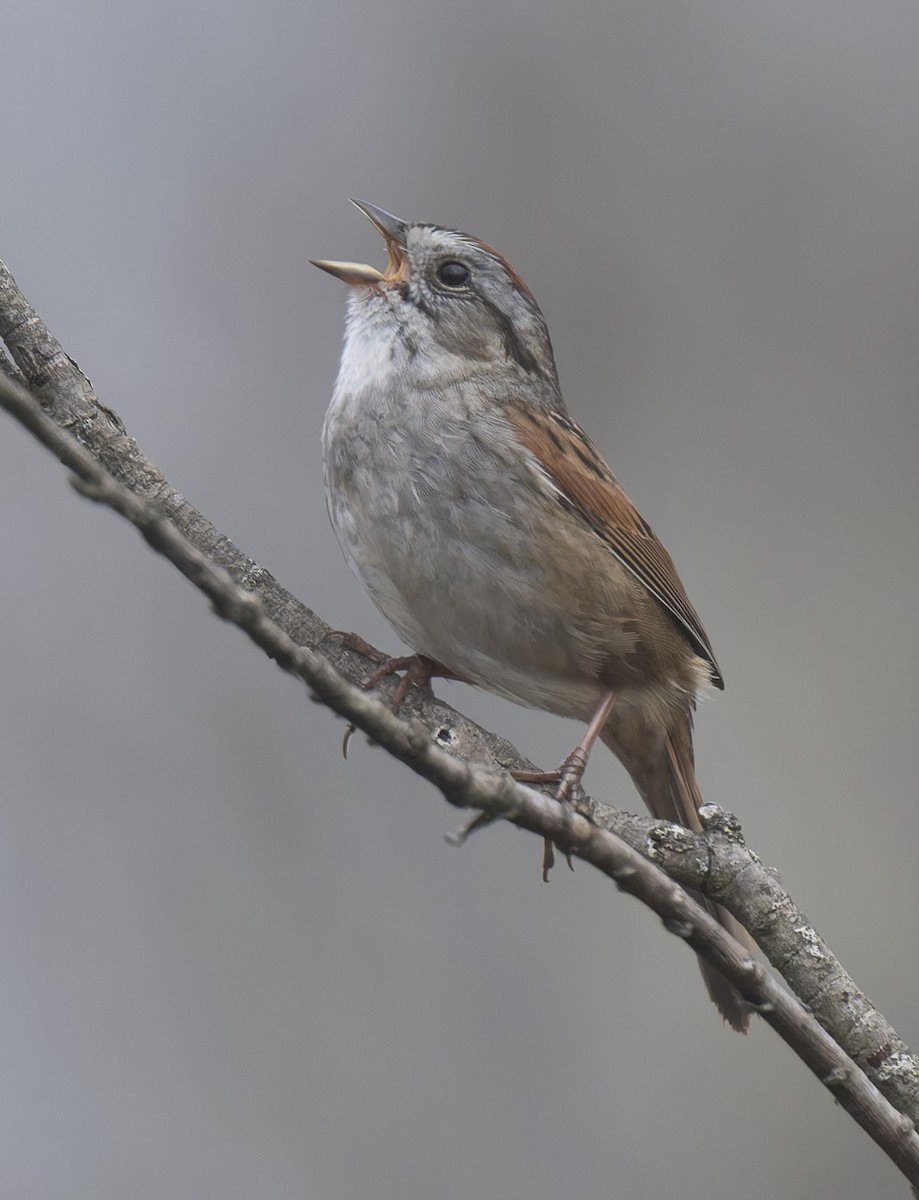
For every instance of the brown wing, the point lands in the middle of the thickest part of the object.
(575, 467)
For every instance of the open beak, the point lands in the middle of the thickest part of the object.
(360, 274)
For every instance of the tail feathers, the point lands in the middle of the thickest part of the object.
(686, 799)
(728, 1000)
(662, 765)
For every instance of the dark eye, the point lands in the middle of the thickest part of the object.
(453, 274)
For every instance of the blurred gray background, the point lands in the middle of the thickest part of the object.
(235, 966)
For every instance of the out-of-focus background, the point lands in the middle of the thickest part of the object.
(234, 965)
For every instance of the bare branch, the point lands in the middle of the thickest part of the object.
(875, 1077)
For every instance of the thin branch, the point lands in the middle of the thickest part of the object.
(109, 468)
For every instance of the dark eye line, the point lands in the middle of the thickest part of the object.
(512, 343)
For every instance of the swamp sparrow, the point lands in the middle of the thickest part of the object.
(488, 529)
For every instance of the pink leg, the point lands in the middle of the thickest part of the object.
(570, 773)
(418, 671)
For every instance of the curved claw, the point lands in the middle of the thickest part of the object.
(418, 671)
(349, 733)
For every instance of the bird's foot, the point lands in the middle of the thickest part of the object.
(569, 775)
(568, 778)
(417, 671)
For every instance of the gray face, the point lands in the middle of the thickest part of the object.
(474, 301)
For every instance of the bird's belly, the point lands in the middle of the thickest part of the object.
(484, 587)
